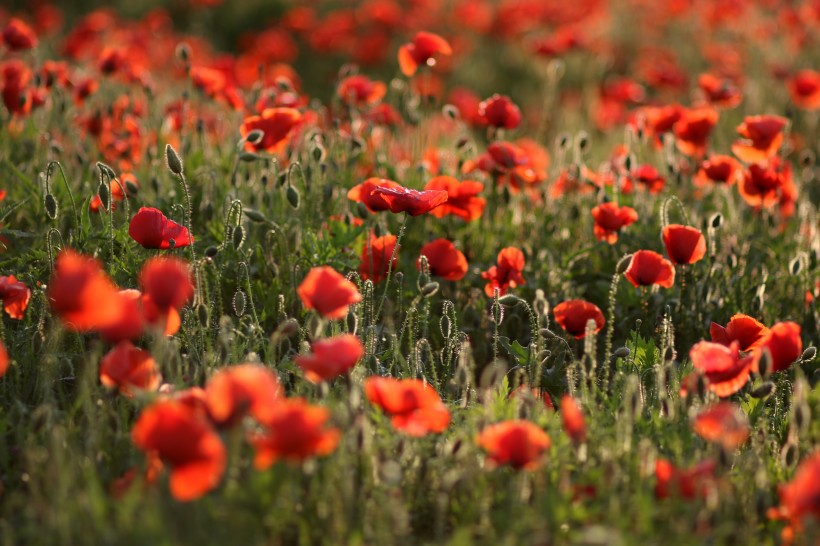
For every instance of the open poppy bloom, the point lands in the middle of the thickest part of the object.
(762, 137)
(518, 443)
(276, 124)
(647, 268)
(184, 440)
(723, 423)
(360, 90)
(609, 219)
(719, 92)
(799, 498)
(424, 49)
(295, 431)
(784, 345)
(235, 391)
(18, 36)
(462, 198)
(414, 406)
(722, 366)
(129, 369)
(81, 294)
(648, 177)
(766, 185)
(330, 358)
(573, 316)
(506, 274)
(328, 292)
(150, 228)
(747, 331)
(692, 130)
(804, 89)
(718, 169)
(573, 419)
(445, 260)
(131, 322)
(499, 111)
(376, 258)
(688, 483)
(167, 287)
(363, 193)
(413, 202)
(684, 244)
(15, 296)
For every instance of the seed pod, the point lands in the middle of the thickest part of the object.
(623, 264)
(254, 215)
(716, 220)
(795, 266)
(238, 237)
(105, 196)
(352, 322)
(450, 111)
(763, 390)
(764, 364)
(509, 300)
(131, 188)
(288, 328)
(563, 141)
(173, 160)
(255, 136)
(293, 197)
(802, 417)
(789, 454)
(183, 52)
(429, 290)
(547, 333)
(361, 210)
(52, 209)
(582, 141)
(621, 352)
(809, 354)
(203, 315)
(211, 251)
(239, 302)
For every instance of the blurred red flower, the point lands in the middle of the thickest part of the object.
(784, 345)
(15, 296)
(363, 193)
(506, 274)
(167, 286)
(424, 49)
(462, 198)
(414, 406)
(359, 90)
(235, 391)
(18, 35)
(129, 369)
(499, 111)
(804, 88)
(445, 260)
(520, 444)
(746, 330)
(573, 419)
(330, 358)
(685, 483)
(328, 292)
(609, 219)
(573, 315)
(723, 423)
(719, 92)
(718, 169)
(692, 130)
(375, 261)
(276, 124)
(762, 137)
(684, 244)
(722, 366)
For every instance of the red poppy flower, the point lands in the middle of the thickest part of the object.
(363, 193)
(804, 89)
(129, 369)
(648, 267)
(445, 260)
(81, 294)
(295, 431)
(520, 444)
(16, 78)
(462, 198)
(184, 441)
(414, 406)
(376, 255)
(235, 391)
(276, 124)
(18, 36)
(4, 360)
(693, 129)
(573, 419)
(506, 274)
(765, 186)
(723, 423)
(131, 322)
(167, 287)
(762, 137)
(15, 296)
(686, 483)
(684, 244)
(648, 177)
(330, 358)
(111, 60)
(328, 292)
(360, 90)
(414, 202)
(467, 104)
(609, 219)
(784, 345)
(573, 315)
(722, 366)
(800, 498)
(424, 49)
(719, 92)
(746, 330)
(660, 119)
(150, 228)
(718, 169)
(499, 111)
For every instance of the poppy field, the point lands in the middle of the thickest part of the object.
(410, 272)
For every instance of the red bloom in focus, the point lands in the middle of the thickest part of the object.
(424, 49)
(609, 219)
(129, 369)
(445, 260)
(648, 176)
(330, 358)
(81, 294)
(296, 431)
(648, 267)
(276, 124)
(693, 129)
(184, 440)
(360, 90)
(150, 228)
(686, 483)
(804, 89)
(18, 36)
(520, 444)
(499, 111)
(462, 198)
(719, 92)
(413, 202)
(376, 258)
(723, 423)
(684, 244)
(800, 498)
(328, 292)
(784, 345)
(762, 137)
(746, 330)
(167, 287)
(573, 315)
(718, 169)
(414, 406)
(722, 366)
(235, 391)
(573, 420)
(363, 193)
(15, 296)
(506, 274)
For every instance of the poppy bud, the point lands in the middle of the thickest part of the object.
(700, 387)
(795, 266)
(629, 162)
(450, 111)
(563, 141)
(173, 160)
(429, 289)
(211, 251)
(293, 197)
(51, 206)
(361, 210)
(716, 220)
(462, 143)
(582, 141)
(102, 191)
(509, 300)
(203, 315)
(789, 454)
(802, 416)
(623, 264)
(288, 328)
(255, 136)
(762, 391)
(183, 52)
(547, 333)
(807, 158)
(352, 322)
(764, 364)
(238, 237)
(131, 188)
(238, 302)
(809, 354)
(621, 352)
(254, 215)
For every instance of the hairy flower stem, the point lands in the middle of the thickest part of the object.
(390, 267)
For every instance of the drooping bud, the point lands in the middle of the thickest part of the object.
(173, 160)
